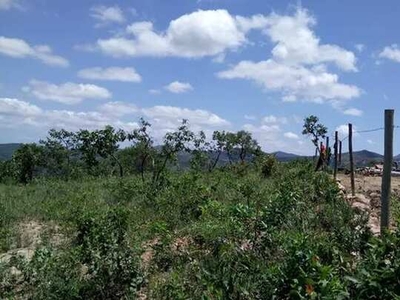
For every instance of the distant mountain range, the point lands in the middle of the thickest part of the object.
(7, 150)
(361, 158)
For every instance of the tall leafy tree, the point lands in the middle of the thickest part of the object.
(143, 144)
(7, 170)
(87, 147)
(174, 142)
(246, 145)
(60, 146)
(107, 144)
(27, 159)
(314, 129)
(200, 157)
(217, 146)
(102, 143)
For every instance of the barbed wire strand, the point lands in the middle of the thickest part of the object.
(363, 131)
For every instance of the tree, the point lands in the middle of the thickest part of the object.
(7, 170)
(143, 144)
(60, 146)
(246, 145)
(100, 143)
(107, 144)
(26, 160)
(217, 146)
(200, 157)
(86, 145)
(230, 143)
(316, 130)
(174, 142)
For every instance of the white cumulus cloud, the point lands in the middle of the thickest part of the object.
(291, 135)
(293, 81)
(118, 108)
(11, 106)
(178, 87)
(353, 112)
(296, 43)
(18, 48)
(176, 114)
(360, 47)
(107, 14)
(111, 74)
(274, 119)
(67, 93)
(154, 92)
(16, 114)
(391, 52)
(250, 117)
(343, 131)
(198, 34)
(298, 64)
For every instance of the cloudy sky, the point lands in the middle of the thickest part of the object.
(256, 65)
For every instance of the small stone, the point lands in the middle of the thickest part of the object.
(361, 206)
(375, 202)
(374, 195)
(341, 187)
(361, 198)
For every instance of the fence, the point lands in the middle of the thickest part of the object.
(387, 165)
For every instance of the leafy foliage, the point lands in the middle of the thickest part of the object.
(27, 159)
(313, 128)
(252, 229)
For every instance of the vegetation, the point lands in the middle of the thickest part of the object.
(313, 128)
(251, 229)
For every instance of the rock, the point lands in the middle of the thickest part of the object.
(375, 202)
(374, 195)
(373, 224)
(26, 253)
(341, 187)
(358, 198)
(361, 206)
(361, 198)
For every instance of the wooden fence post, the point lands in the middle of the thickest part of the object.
(328, 153)
(340, 152)
(336, 155)
(353, 192)
(387, 170)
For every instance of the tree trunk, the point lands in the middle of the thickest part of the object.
(215, 161)
(121, 170)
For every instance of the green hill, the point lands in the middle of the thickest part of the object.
(7, 150)
(362, 158)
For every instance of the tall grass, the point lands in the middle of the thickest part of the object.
(234, 233)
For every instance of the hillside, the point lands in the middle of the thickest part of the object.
(7, 150)
(362, 158)
(284, 156)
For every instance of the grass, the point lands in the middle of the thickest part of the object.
(229, 234)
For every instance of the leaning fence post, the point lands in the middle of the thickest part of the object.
(387, 170)
(351, 159)
(336, 155)
(328, 153)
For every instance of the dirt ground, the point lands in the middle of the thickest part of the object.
(368, 196)
(367, 183)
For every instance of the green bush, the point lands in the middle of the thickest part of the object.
(100, 264)
(226, 234)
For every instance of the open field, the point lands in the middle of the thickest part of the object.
(227, 234)
(368, 183)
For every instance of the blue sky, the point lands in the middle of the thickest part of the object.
(256, 65)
